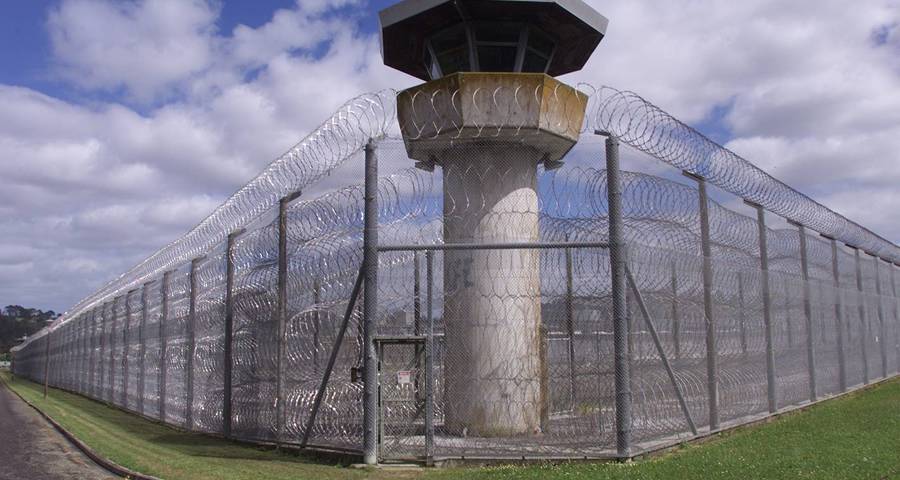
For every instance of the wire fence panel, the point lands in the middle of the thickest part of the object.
(498, 324)
(210, 344)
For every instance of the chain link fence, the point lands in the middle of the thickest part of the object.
(506, 307)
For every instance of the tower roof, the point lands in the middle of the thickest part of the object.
(575, 27)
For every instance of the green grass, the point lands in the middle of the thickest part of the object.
(857, 436)
(154, 449)
(854, 437)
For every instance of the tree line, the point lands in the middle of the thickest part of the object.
(17, 322)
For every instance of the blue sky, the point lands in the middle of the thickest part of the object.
(27, 58)
(124, 123)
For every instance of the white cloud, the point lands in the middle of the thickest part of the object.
(814, 86)
(144, 47)
(814, 90)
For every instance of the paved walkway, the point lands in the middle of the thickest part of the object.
(31, 449)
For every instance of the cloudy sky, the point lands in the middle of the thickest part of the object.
(124, 123)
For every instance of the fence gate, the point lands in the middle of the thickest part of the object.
(401, 397)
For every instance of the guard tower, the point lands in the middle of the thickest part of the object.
(488, 115)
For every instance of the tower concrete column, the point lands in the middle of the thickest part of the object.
(492, 303)
(488, 132)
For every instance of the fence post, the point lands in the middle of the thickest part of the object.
(163, 348)
(570, 326)
(767, 304)
(861, 309)
(112, 352)
(618, 261)
(92, 360)
(281, 314)
(47, 361)
(417, 330)
(87, 341)
(76, 355)
(101, 395)
(896, 312)
(192, 346)
(838, 314)
(882, 335)
(142, 348)
(229, 331)
(125, 348)
(429, 358)
(712, 363)
(807, 311)
(370, 308)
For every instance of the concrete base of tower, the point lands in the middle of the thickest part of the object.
(492, 302)
(488, 132)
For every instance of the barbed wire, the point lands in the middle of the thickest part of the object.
(144, 316)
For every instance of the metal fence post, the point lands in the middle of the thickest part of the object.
(47, 361)
(66, 367)
(281, 314)
(429, 358)
(767, 304)
(92, 360)
(111, 396)
(163, 348)
(101, 395)
(417, 330)
(861, 308)
(125, 348)
(742, 316)
(807, 311)
(618, 261)
(191, 347)
(370, 308)
(838, 315)
(80, 354)
(676, 314)
(712, 363)
(229, 332)
(570, 327)
(896, 312)
(883, 333)
(88, 345)
(142, 348)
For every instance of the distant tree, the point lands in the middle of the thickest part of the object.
(17, 321)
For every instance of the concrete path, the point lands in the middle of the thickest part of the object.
(32, 449)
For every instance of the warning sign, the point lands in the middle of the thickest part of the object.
(405, 377)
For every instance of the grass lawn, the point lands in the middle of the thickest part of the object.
(857, 436)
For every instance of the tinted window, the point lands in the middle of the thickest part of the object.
(497, 33)
(540, 43)
(452, 50)
(534, 63)
(496, 59)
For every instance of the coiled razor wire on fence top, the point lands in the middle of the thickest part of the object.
(154, 341)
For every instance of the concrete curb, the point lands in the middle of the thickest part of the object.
(107, 464)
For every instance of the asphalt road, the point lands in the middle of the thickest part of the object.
(31, 449)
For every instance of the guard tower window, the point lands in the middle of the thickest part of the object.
(488, 47)
(538, 53)
(450, 49)
(498, 46)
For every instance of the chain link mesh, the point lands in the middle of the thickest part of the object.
(523, 345)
